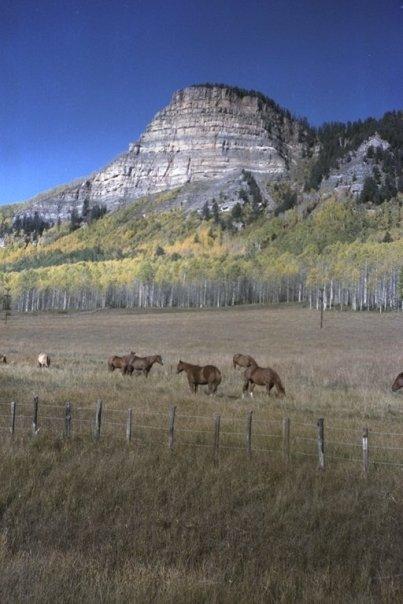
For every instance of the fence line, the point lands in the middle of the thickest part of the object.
(129, 426)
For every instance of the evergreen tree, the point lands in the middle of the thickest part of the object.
(85, 212)
(206, 211)
(215, 210)
(369, 191)
(237, 212)
(75, 220)
(159, 251)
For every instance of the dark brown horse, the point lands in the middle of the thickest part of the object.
(398, 383)
(243, 360)
(201, 376)
(116, 362)
(141, 365)
(262, 376)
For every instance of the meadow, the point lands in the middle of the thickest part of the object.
(116, 521)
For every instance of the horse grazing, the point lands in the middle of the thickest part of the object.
(116, 362)
(141, 364)
(398, 383)
(261, 376)
(243, 360)
(43, 360)
(201, 376)
(3, 358)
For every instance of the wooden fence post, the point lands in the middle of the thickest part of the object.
(286, 439)
(216, 442)
(35, 416)
(12, 426)
(98, 419)
(365, 452)
(321, 443)
(67, 420)
(171, 426)
(129, 425)
(249, 433)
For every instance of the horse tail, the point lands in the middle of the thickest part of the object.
(280, 386)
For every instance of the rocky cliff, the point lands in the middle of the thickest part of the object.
(200, 143)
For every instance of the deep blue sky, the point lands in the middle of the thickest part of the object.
(79, 80)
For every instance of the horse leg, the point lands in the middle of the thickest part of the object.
(245, 388)
(212, 388)
(251, 389)
(269, 386)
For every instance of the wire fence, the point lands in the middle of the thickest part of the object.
(289, 438)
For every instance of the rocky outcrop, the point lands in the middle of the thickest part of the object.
(200, 143)
(351, 172)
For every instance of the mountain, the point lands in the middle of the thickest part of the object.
(203, 140)
(215, 141)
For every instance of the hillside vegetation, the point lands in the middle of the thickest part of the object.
(338, 245)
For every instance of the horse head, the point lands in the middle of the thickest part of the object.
(398, 383)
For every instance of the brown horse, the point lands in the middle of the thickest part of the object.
(398, 383)
(262, 376)
(116, 362)
(201, 376)
(141, 364)
(243, 360)
(43, 360)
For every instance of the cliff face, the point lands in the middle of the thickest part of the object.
(203, 139)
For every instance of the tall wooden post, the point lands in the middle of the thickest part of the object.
(171, 426)
(12, 425)
(35, 416)
(67, 420)
(98, 419)
(321, 443)
(216, 441)
(249, 433)
(365, 452)
(286, 439)
(129, 425)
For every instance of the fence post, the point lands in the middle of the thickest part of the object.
(321, 443)
(365, 453)
(129, 425)
(67, 420)
(249, 433)
(35, 416)
(98, 419)
(216, 442)
(171, 426)
(12, 426)
(286, 439)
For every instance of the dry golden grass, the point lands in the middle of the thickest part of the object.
(107, 521)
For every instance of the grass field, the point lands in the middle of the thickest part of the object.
(109, 521)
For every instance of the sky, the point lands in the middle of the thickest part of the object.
(80, 80)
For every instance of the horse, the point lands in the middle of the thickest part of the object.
(243, 360)
(116, 362)
(398, 383)
(262, 376)
(201, 376)
(3, 358)
(141, 364)
(43, 360)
